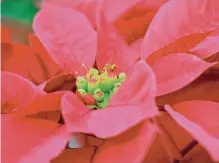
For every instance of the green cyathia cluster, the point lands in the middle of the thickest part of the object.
(102, 86)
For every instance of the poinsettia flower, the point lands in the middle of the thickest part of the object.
(79, 118)
(124, 111)
(107, 51)
(196, 44)
(70, 49)
(40, 66)
(182, 43)
(76, 56)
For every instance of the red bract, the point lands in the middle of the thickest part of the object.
(164, 40)
(5, 35)
(184, 68)
(194, 91)
(24, 129)
(202, 123)
(32, 62)
(183, 36)
(131, 18)
(198, 39)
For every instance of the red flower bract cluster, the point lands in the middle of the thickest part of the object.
(166, 107)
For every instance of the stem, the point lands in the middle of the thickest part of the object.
(168, 141)
(61, 120)
(161, 108)
(95, 151)
(187, 149)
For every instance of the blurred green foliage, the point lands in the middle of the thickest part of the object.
(20, 10)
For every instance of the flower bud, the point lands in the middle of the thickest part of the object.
(82, 92)
(104, 84)
(116, 87)
(98, 95)
(81, 83)
(122, 77)
(93, 71)
(92, 85)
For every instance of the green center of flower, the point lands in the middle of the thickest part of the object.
(95, 89)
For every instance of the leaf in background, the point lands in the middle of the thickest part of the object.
(23, 11)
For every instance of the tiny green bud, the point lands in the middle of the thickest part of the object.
(98, 95)
(116, 87)
(104, 85)
(100, 105)
(113, 81)
(92, 106)
(104, 82)
(93, 71)
(122, 77)
(81, 83)
(110, 93)
(92, 85)
(82, 92)
(106, 100)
